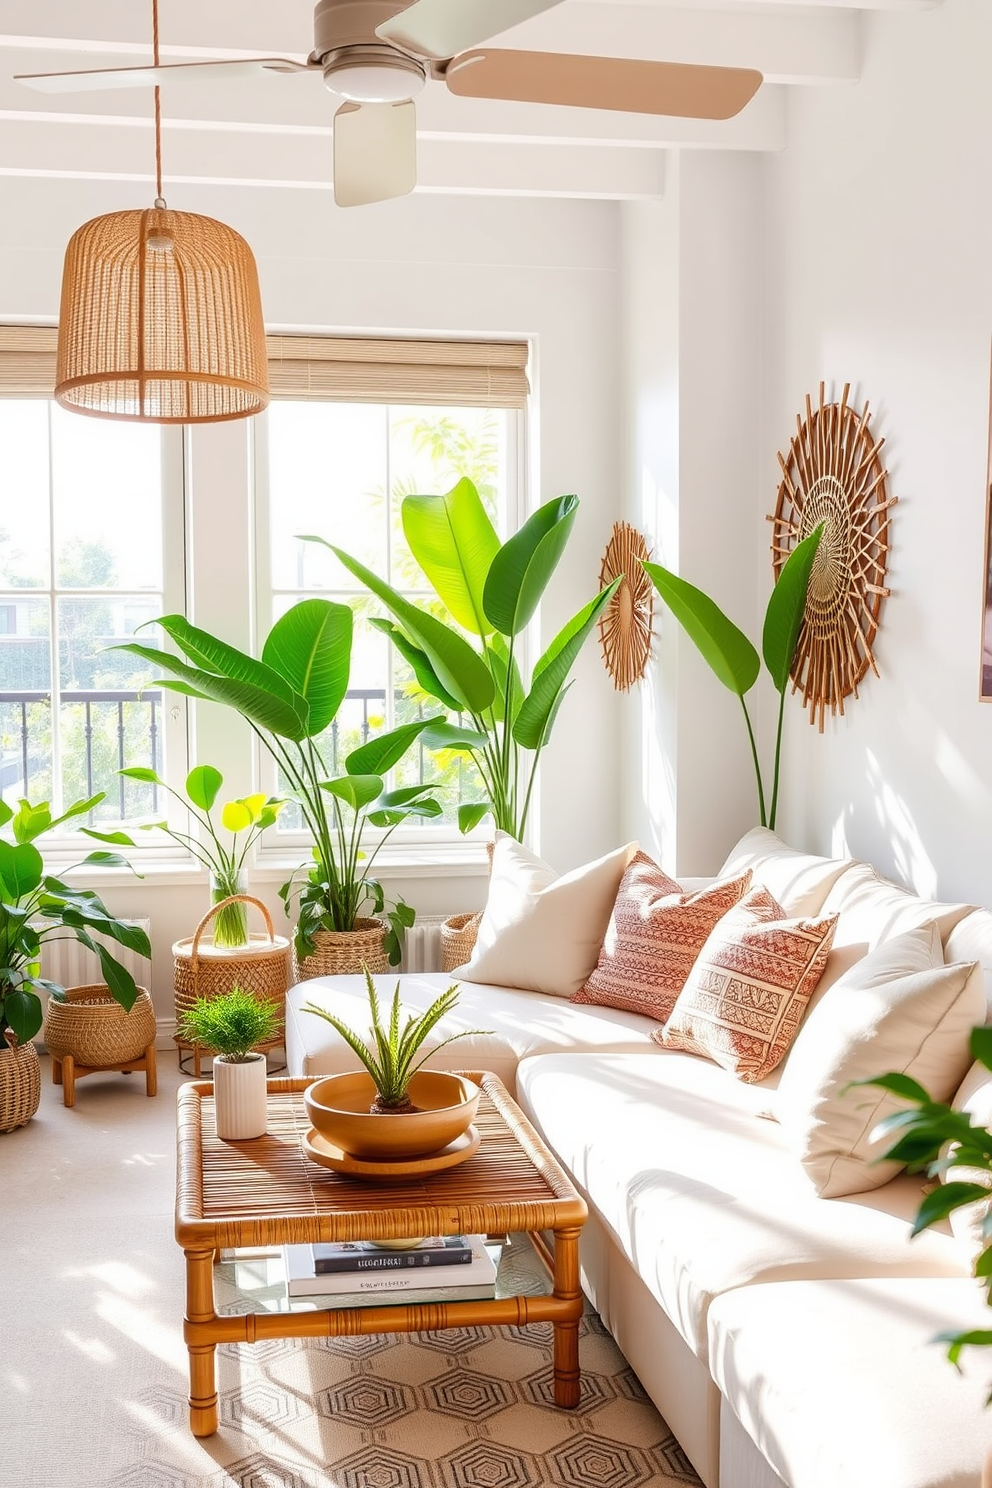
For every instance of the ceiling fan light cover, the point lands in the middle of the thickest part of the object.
(373, 75)
(160, 321)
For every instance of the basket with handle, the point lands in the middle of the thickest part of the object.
(262, 967)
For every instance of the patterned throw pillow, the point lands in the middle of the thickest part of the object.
(655, 933)
(746, 995)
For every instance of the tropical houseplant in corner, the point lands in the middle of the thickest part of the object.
(36, 907)
(733, 658)
(290, 698)
(471, 662)
(393, 1108)
(245, 819)
(232, 1024)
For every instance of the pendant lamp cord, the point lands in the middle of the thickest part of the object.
(159, 200)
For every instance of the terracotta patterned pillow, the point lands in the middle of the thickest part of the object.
(655, 933)
(746, 995)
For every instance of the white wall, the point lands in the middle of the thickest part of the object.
(691, 438)
(878, 271)
(544, 269)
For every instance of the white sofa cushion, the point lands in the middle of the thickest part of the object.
(871, 909)
(840, 1384)
(521, 1023)
(971, 940)
(899, 1008)
(539, 931)
(800, 881)
(700, 1193)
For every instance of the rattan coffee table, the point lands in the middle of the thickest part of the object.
(267, 1192)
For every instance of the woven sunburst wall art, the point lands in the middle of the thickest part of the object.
(625, 624)
(833, 474)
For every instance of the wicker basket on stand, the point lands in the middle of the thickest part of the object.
(20, 1084)
(87, 1030)
(204, 970)
(338, 952)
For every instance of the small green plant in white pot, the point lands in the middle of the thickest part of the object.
(232, 1025)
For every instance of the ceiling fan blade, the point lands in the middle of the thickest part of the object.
(375, 152)
(442, 28)
(146, 77)
(680, 89)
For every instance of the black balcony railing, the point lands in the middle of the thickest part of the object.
(25, 756)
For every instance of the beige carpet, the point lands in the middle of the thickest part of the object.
(93, 1366)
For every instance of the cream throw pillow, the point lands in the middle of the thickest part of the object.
(899, 1008)
(541, 932)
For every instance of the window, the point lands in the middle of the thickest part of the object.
(341, 470)
(83, 562)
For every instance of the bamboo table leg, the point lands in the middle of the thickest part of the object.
(566, 1337)
(202, 1357)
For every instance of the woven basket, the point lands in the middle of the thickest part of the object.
(20, 1085)
(458, 939)
(205, 970)
(337, 952)
(95, 1030)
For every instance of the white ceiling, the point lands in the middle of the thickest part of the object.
(275, 132)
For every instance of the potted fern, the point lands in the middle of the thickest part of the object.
(393, 1107)
(232, 1024)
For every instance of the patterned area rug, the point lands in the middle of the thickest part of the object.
(93, 1369)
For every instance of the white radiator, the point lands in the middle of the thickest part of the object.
(422, 944)
(65, 961)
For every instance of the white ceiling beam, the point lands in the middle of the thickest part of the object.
(452, 166)
(760, 126)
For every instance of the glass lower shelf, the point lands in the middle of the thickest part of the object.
(255, 1280)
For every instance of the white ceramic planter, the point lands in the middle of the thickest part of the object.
(239, 1097)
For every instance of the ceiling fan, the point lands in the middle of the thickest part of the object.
(377, 55)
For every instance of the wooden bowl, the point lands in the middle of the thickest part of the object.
(338, 1106)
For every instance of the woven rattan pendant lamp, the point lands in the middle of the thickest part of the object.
(161, 317)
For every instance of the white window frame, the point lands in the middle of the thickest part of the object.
(408, 845)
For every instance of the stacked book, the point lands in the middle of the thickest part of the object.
(360, 1273)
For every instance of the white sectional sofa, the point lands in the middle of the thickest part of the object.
(786, 1338)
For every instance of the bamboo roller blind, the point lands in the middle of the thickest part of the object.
(351, 369)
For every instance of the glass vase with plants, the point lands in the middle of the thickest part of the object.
(290, 699)
(471, 662)
(37, 907)
(232, 1024)
(244, 818)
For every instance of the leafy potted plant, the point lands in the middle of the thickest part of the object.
(490, 591)
(393, 1108)
(232, 1024)
(248, 815)
(731, 655)
(35, 907)
(290, 699)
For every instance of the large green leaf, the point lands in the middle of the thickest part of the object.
(471, 813)
(117, 977)
(203, 784)
(21, 869)
(311, 647)
(519, 573)
(450, 736)
(498, 660)
(418, 662)
(538, 709)
(786, 608)
(214, 655)
(981, 1046)
(727, 649)
(379, 755)
(22, 1011)
(267, 710)
(461, 671)
(454, 542)
(356, 790)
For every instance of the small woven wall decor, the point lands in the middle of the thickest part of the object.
(625, 624)
(833, 474)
